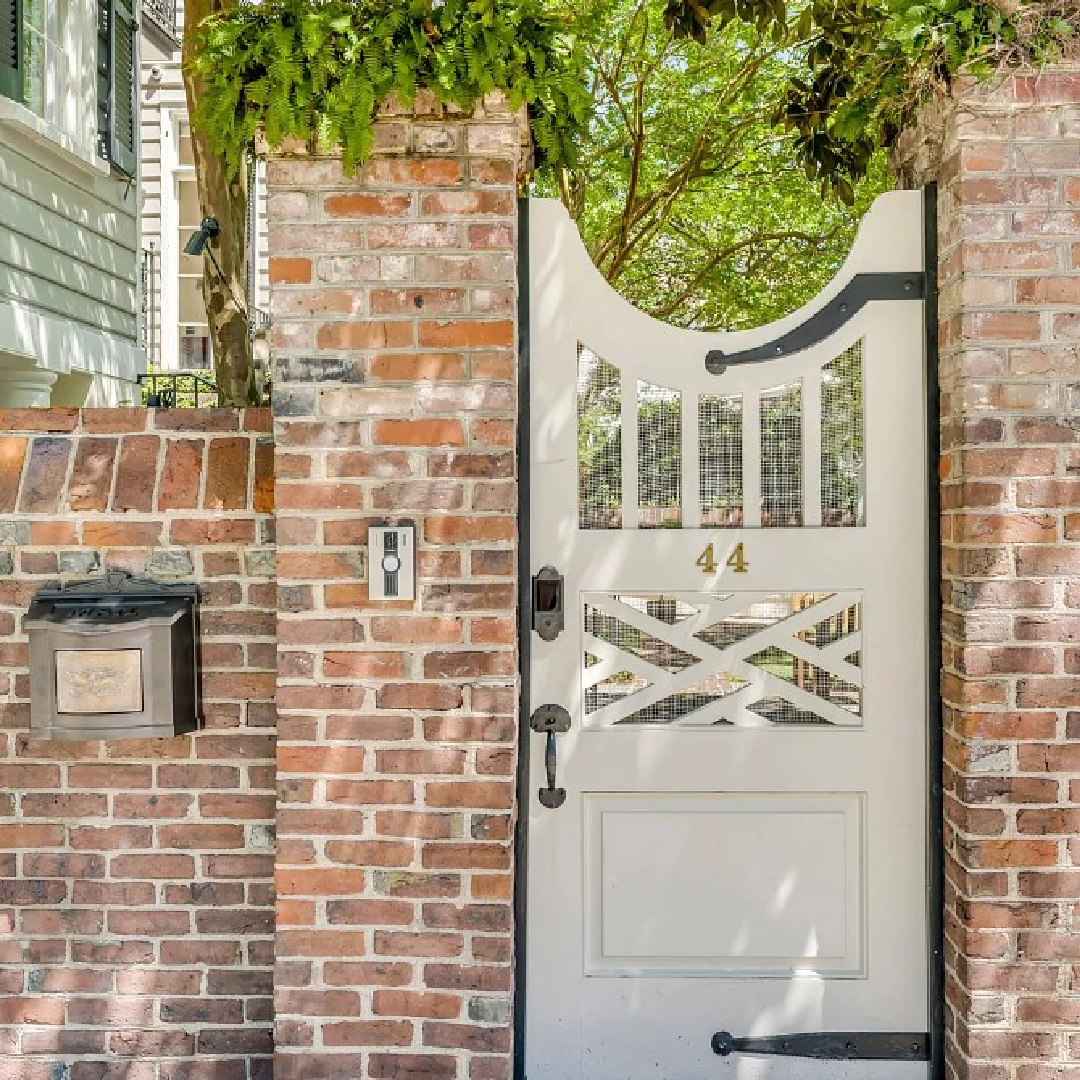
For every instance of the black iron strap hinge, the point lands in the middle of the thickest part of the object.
(831, 1045)
(861, 290)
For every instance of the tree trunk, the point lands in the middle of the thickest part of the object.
(225, 199)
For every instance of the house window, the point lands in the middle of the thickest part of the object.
(64, 61)
(11, 49)
(117, 67)
(193, 343)
(35, 68)
(41, 55)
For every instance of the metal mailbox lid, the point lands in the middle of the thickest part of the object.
(88, 616)
(117, 600)
(118, 585)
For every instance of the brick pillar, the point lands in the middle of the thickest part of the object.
(394, 301)
(1008, 162)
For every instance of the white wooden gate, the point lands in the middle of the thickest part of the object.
(727, 815)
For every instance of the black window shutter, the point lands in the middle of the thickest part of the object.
(117, 88)
(11, 60)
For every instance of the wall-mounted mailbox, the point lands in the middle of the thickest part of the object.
(114, 658)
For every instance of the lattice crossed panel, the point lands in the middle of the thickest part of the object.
(699, 660)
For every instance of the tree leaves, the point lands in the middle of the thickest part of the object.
(690, 201)
(870, 63)
(318, 72)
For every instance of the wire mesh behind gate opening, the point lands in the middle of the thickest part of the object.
(658, 445)
(634, 675)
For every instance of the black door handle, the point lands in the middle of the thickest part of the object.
(551, 721)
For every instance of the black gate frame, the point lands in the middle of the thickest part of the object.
(935, 736)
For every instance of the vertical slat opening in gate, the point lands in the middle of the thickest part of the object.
(629, 421)
(691, 462)
(811, 444)
(751, 484)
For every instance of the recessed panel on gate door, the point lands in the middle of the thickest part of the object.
(756, 884)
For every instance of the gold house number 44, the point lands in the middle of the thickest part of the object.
(736, 560)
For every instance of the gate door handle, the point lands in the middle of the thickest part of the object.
(831, 1045)
(551, 720)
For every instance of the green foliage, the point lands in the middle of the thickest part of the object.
(690, 200)
(868, 64)
(318, 72)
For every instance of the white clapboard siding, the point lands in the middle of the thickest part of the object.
(68, 245)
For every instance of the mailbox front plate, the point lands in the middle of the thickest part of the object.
(94, 681)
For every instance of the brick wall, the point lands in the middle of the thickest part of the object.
(136, 904)
(135, 877)
(394, 339)
(1007, 157)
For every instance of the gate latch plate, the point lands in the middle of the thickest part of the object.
(548, 616)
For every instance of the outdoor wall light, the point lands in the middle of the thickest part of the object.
(207, 230)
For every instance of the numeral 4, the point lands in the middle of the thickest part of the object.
(737, 560)
(707, 560)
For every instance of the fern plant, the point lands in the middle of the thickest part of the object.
(318, 71)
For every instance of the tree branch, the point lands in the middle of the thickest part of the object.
(754, 240)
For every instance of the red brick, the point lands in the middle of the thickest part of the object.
(31, 836)
(366, 334)
(12, 457)
(424, 945)
(319, 496)
(263, 494)
(476, 794)
(369, 852)
(330, 718)
(368, 1033)
(46, 471)
(364, 204)
(34, 419)
(181, 475)
(31, 1010)
(319, 943)
(321, 760)
(227, 472)
(363, 665)
(117, 533)
(419, 433)
(412, 1067)
(136, 473)
(195, 419)
(463, 856)
(364, 792)
(285, 271)
(92, 473)
(432, 696)
(417, 629)
(414, 1003)
(466, 334)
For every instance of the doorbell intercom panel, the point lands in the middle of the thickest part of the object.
(392, 562)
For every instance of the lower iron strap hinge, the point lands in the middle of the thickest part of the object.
(831, 1045)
